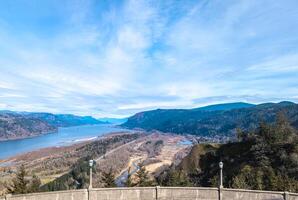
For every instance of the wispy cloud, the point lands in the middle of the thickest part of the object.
(114, 58)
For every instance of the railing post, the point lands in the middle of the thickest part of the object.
(89, 193)
(220, 180)
(157, 192)
(286, 195)
(220, 193)
(7, 196)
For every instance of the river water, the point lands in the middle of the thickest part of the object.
(64, 136)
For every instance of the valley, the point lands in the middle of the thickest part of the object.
(148, 100)
(122, 152)
(168, 158)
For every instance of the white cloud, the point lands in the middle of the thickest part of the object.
(117, 59)
(286, 63)
(152, 105)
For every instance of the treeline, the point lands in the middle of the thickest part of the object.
(265, 159)
(211, 122)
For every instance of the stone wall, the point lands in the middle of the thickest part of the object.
(157, 193)
(228, 194)
(59, 195)
(186, 193)
(148, 193)
(291, 196)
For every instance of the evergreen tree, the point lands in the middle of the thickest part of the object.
(245, 179)
(108, 179)
(240, 134)
(283, 130)
(143, 177)
(19, 183)
(35, 184)
(178, 178)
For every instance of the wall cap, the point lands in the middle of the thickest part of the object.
(255, 191)
(51, 192)
(122, 188)
(191, 188)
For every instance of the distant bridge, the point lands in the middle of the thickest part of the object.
(157, 193)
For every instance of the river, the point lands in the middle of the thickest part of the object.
(64, 136)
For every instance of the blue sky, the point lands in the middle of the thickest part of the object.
(115, 58)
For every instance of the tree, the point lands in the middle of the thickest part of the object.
(109, 179)
(245, 179)
(143, 177)
(283, 130)
(19, 183)
(22, 185)
(178, 178)
(239, 134)
(35, 184)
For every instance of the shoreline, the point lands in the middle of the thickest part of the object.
(64, 136)
(39, 153)
(28, 137)
(42, 152)
(52, 132)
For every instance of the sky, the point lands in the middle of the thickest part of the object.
(110, 58)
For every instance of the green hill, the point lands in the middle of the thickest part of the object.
(214, 120)
(266, 159)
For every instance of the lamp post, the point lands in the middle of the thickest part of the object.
(91, 162)
(220, 175)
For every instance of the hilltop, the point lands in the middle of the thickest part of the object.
(222, 119)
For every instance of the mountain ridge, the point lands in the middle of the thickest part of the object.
(19, 125)
(202, 122)
(226, 106)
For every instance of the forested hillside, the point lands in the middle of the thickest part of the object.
(65, 120)
(266, 159)
(15, 125)
(215, 121)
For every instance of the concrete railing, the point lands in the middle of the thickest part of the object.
(157, 193)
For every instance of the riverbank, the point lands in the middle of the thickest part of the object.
(48, 163)
(63, 137)
(153, 150)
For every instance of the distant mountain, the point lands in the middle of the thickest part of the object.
(15, 125)
(212, 120)
(64, 120)
(113, 120)
(226, 106)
